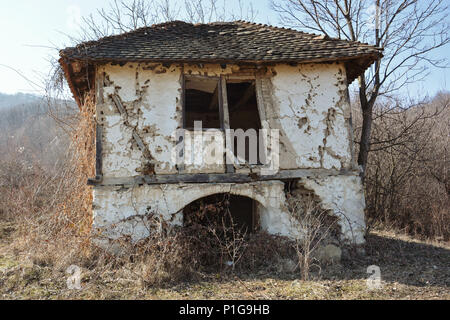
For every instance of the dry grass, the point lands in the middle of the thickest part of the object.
(410, 269)
(316, 225)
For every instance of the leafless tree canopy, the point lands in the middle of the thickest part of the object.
(119, 16)
(407, 30)
(407, 178)
(126, 15)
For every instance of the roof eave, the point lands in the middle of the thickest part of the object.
(367, 59)
(65, 65)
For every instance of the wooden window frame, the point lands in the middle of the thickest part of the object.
(220, 97)
(224, 112)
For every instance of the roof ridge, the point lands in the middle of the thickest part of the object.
(156, 26)
(238, 40)
(273, 27)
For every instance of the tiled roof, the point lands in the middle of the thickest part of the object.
(238, 41)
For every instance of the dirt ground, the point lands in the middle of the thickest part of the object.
(410, 269)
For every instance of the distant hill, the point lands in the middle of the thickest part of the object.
(28, 132)
(11, 100)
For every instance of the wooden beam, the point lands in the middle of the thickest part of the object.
(225, 115)
(98, 152)
(139, 142)
(214, 101)
(180, 167)
(225, 123)
(219, 177)
(135, 135)
(118, 104)
(183, 98)
(260, 102)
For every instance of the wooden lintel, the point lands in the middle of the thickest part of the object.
(218, 177)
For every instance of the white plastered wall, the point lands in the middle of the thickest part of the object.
(311, 108)
(307, 103)
(344, 196)
(122, 211)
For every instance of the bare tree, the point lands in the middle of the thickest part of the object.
(315, 225)
(127, 15)
(407, 177)
(407, 30)
(121, 16)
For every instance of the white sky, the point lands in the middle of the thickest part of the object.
(29, 27)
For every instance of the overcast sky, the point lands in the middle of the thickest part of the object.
(31, 30)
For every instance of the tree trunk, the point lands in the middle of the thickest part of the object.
(364, 144)
(367, 108)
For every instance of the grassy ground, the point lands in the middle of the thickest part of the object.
(410, 269)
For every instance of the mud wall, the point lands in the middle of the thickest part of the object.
(307, 103)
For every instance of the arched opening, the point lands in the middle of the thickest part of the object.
(223, 209)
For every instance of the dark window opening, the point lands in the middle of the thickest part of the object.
(244, 114)
(218, 209)
(202, 102)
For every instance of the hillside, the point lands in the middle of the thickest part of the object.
(11, 100)
(29, 132)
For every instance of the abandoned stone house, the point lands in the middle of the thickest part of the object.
(153, 83)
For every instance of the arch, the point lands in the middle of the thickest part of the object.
(117, 212)
(195, 192)
(217, 208)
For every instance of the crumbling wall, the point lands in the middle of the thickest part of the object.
(310, 105)
(122, 211)
(307, 103)
(344, 196)
(150, 95)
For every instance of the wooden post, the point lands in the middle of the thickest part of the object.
(260, 102)
(225, 124)
(98, 152)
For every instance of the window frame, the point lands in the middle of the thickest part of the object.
(219, 96)
(224, 114)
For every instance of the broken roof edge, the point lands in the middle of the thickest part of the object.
(68, 76)
(84, 77)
